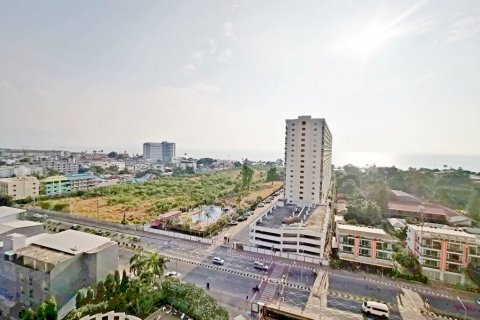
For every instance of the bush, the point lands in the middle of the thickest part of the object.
(60, 207)
(409, 276)
(45, 205)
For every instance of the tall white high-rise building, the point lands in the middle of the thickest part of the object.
(159, 151)
(308, 160)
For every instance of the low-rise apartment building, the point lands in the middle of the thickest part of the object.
(56, 185)
(35, 268)
(20, 171)
(367, 245)
(20, 187)
(105, 164)
(62, 166)
(444, 253)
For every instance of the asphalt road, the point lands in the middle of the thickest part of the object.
(233, 282)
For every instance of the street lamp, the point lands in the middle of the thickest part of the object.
(465, 309)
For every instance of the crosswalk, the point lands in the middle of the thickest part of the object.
(269, 292)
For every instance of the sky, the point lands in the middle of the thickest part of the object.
(220, 77)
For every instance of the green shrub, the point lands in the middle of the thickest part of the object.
(60, 207)
(45, 205)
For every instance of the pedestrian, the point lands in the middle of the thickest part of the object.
(246, 299)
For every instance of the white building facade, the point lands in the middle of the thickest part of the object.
(163, 152)
(308, 160)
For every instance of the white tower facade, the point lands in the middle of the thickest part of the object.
(308, 160)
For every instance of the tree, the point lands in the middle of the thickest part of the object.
(148, 265)
(124, 282)
(109, 285)
(474, 206)
(79, 299)
(51, 309)
(6, 201)
(247, 176)
(116, 280)
(89, 297)
(101, 293)
(113, 154)
(113, 169)
(27, 314)
(237, 164)
(272, 174)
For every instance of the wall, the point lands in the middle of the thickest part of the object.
(178, 235)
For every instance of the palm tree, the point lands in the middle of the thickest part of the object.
(148, 264)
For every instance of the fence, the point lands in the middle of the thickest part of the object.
(177, 235)
(286, 255)
(74, 218)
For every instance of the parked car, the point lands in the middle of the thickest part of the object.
(478, 301)
(233, 223)
(261, 205)
(242, 218)
(38, 216)
(173, 274)
(260, 266)
(218, 260)
(75, 227)
(375, 308)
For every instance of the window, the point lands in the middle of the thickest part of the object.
(303, 145)
(365, 243)
(302, 161)
(304, 123)
(303, 139)
(302, 150)
(301, 192)
(315, 129)
(303, 166)
(303, 134)
(291, 176)
(301, 187)
(364, 252)
(301, 177)
(293, 129)
(302, 156)
(301, 198)
(301, 182)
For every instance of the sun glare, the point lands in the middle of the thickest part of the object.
(366, 42)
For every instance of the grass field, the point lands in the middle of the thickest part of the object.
(142, 201)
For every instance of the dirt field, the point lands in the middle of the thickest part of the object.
(98, 207)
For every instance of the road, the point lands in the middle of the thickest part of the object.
(232, 282)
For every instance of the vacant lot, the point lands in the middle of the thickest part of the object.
(141, 202)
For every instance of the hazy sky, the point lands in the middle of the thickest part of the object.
(221, 76)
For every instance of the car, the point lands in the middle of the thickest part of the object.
(249, 213)
(218, 260)
(261, 205)
(242, 218)
(75, 227)
(478, 301)
(233, 223)
(173, 274)
(260, 266)
(375, 308)
(38, 216)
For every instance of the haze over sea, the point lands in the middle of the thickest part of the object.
(362, 159)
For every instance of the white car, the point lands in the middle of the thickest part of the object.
(173, 274)
(233, 223)
(375, 308)
(478, 301)
(217, 260)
